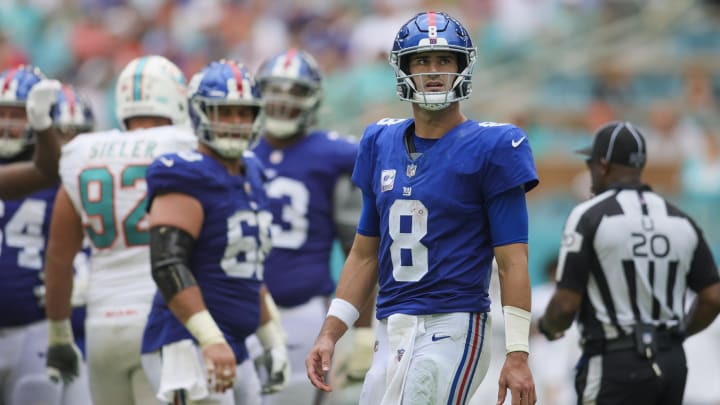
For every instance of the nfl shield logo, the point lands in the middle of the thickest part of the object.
(410, 171)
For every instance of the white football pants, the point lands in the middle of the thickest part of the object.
(428, 359)
(113, 350)
(23, 377)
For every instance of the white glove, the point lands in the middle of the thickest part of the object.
(42, 97)
(275, 359)
(362, 354)
(63, 356)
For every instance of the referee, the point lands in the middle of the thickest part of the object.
(626, 261)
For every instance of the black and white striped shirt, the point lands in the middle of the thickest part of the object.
(631, 255)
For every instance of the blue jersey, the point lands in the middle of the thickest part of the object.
(227, 258)
(301, 183)
(435, 252)
(24, 226)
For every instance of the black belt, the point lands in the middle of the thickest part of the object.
(666, 339)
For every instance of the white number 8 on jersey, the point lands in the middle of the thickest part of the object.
(408, 225)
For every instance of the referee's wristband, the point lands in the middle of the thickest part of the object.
(204, 329)
(344, 311)
(517, 329)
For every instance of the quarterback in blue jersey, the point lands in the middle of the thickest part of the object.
(25, 223)
(442, 196)
(313, 203)
(209, 236)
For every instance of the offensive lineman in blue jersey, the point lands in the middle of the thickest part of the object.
(313, 202)
(210, 233)
(442, 196)
(25, 225)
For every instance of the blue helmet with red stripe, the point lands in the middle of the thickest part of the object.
(15, 85)
(225, 107)
(72, 113)
(151, 86)
(291, 85)
(433, 31)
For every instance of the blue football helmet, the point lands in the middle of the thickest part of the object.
(15, 85)
(291, 86)
(222, 84)
(71, 114)
(433, 31)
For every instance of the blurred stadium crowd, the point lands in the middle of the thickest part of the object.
(556, 68)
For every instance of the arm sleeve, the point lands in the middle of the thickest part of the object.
(369, 224)
(509, 166)
(507, 213)
(364, 166)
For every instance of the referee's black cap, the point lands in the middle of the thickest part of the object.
(618, 142)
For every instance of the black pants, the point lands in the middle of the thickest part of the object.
(623, 377)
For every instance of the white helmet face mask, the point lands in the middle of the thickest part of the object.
(13, 133)
(15, 86)
(151, 86)
(285, 104)
(433, 100)
(291, 86)
(427, 32)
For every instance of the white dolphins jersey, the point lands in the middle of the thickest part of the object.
(104, 175)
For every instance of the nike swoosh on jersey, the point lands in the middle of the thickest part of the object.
(167, 162)
(435, 337)
(517, 143)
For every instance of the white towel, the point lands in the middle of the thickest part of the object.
(402, 330)
(182, 369)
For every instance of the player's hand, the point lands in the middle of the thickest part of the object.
(545, 332)
(220, 365)
(318, 360)
(63, 357)
(63, 362)
(40, 100)
(361, 357)
(275, 362)
(515, 376)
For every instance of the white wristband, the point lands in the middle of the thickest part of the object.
(344, 311)
(271, 335)
(517, 329)
(203, 327)
(60, 332)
